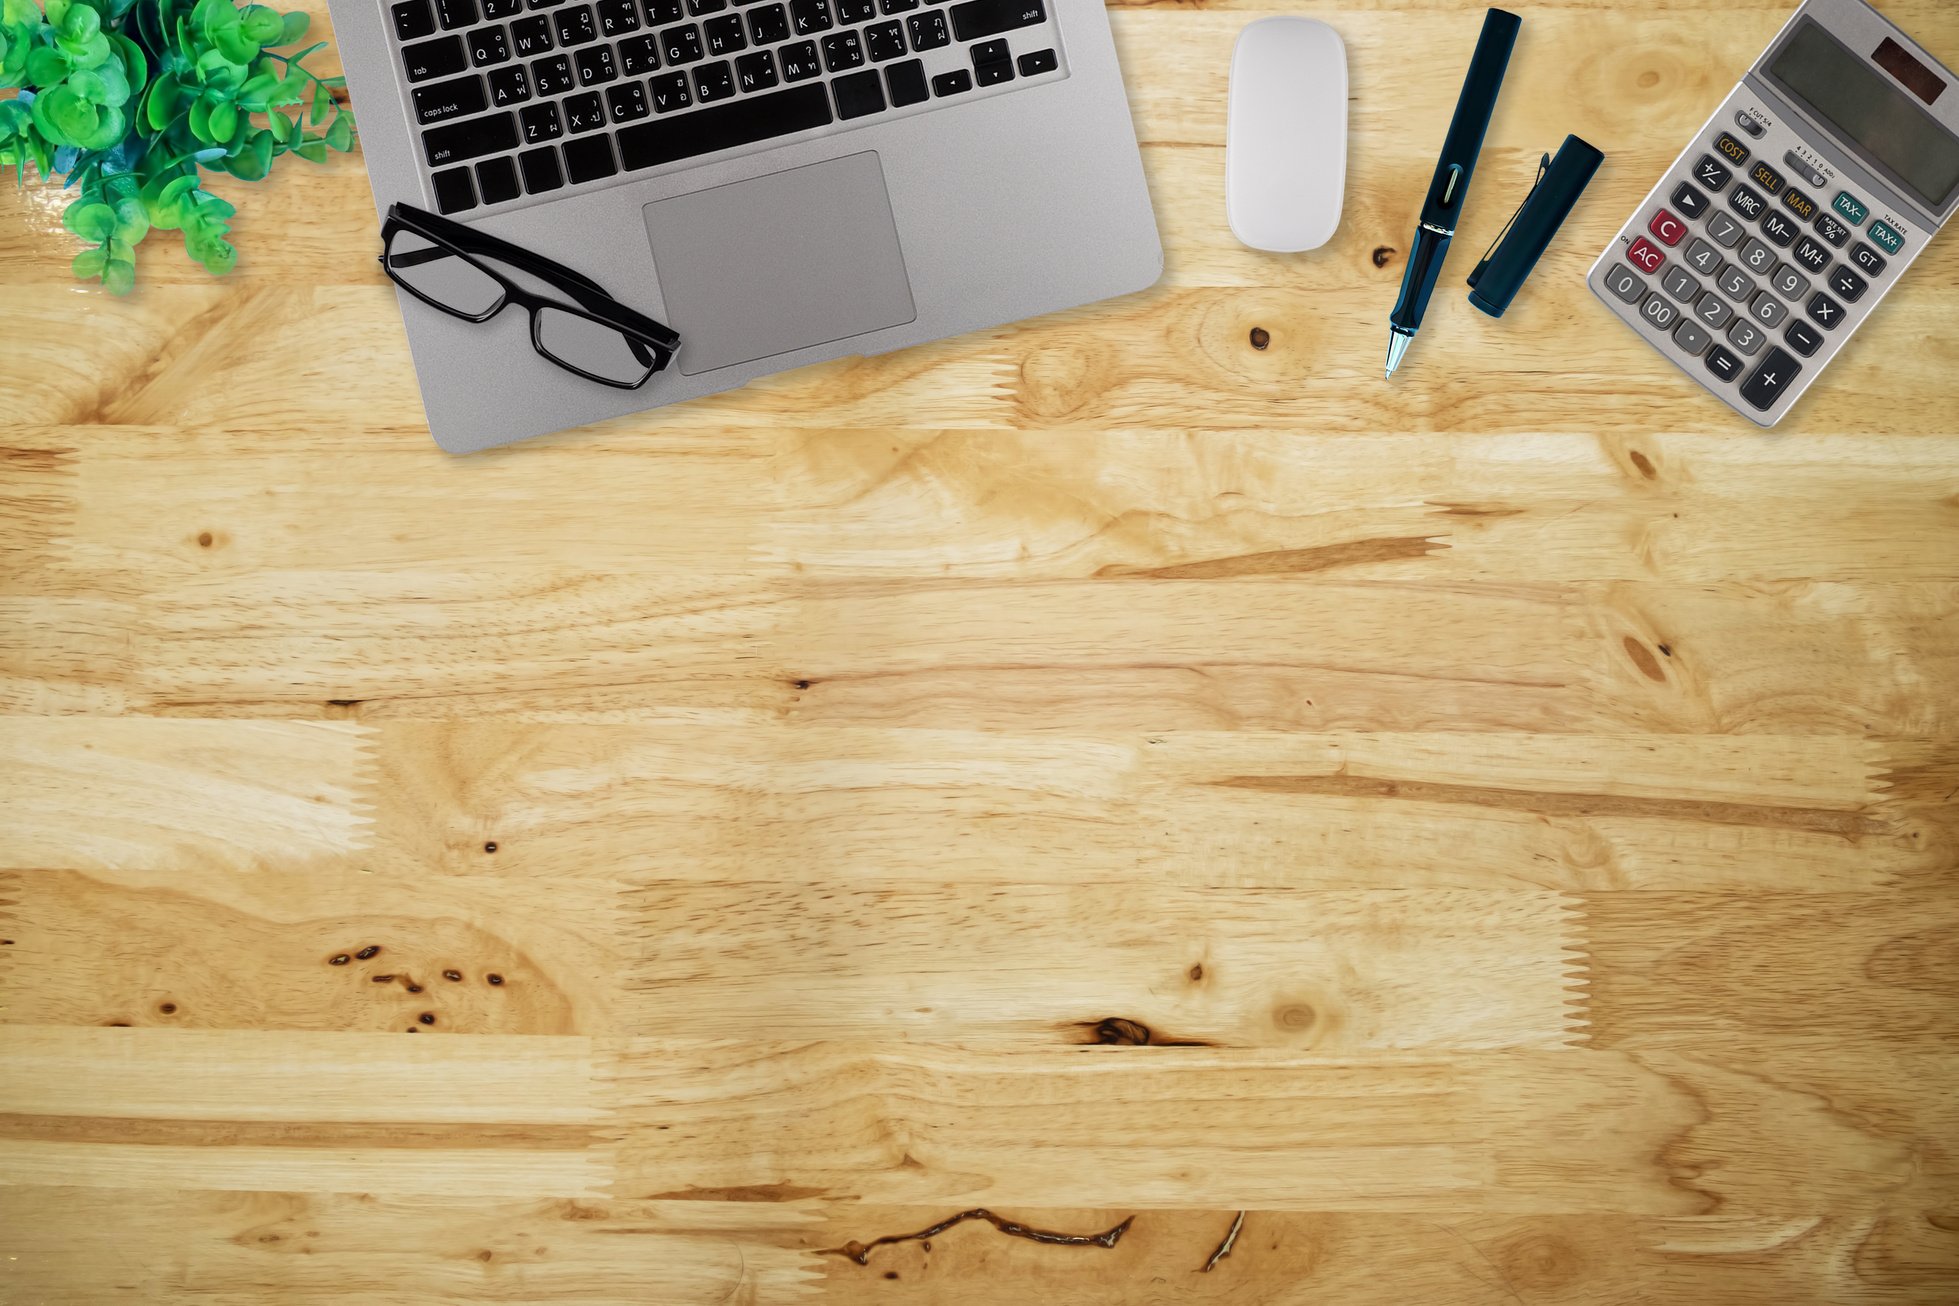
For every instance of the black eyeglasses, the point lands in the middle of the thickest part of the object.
(600, 339)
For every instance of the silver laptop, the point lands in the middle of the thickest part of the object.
(781, 181)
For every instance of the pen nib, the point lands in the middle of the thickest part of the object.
(1397, 346)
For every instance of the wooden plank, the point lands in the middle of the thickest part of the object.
(183, 795)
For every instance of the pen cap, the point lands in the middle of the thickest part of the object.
(1496, 280)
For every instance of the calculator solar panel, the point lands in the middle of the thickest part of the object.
(1792, 212)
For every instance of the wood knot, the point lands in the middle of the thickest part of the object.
(1642, 657)
(1260, 337)
(204, 540)
(1644, 464)
(1294, 1015)
(1119, 1031)
(1382, 253)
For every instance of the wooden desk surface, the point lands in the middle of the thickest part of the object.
(1515, 805)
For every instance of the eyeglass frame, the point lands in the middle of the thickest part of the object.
(593, 303)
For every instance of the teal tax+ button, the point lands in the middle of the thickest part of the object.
(1885, 236)
(1851, 208)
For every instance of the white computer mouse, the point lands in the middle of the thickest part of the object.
(1285, 155)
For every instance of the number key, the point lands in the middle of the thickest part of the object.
(1703, 257)
(1724, 230)
(1735, 284)
(1682, 287)
(1713, 311)
(1757, 257)
(1768, 310)
(1746, 336)
(1622, 283)
(1656, 310)
(1789, 283)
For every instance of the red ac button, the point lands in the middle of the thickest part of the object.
(1646, 256)
(1669, 229)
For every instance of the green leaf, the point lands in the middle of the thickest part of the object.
(90, 86)
(292, 28)
(220, 258)
(200, 119)
(235, 46)
(282, 127)
(132, 221)
(161, 106)
(56, 10)
(65, 117)
(340, 133)
(46, 66)
(254, 161)
(262, 24)
(224, 121)
(89, 263)
(119, 277)
(217, 70)
(135, 66)
(312, 149)
(77, 23)
(322, 105)
(92, 220)
(256, 92)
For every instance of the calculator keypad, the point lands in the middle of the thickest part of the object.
(1728, 263)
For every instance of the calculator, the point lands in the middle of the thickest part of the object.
(1793, 210)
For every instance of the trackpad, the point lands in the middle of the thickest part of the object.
(781, 262)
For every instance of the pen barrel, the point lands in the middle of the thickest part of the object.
(1450, 185)
(1418, 281)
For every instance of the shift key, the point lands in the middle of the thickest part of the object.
(977, 18)
(469, 140)
(454, 98)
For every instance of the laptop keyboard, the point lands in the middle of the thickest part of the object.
(516, 98)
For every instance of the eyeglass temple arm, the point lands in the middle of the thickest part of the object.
(579, 286)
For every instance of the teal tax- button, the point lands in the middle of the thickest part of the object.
(1885, 236)
(1853, 210)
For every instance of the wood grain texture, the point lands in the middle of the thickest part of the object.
(1497, 832)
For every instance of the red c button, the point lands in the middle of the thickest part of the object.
(1669, 229)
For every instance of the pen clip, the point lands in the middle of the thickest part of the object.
(1543, 166)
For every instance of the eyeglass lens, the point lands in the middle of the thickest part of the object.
(441, 276)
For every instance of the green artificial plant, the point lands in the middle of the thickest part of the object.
(133, 100)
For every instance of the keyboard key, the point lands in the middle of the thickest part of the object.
(584, 113)
(1768, 310)
(1766, 177)
(1724, 230)
(799, 61)
(724, 34)
(1712, 311)
(487, 46)
(1712, 173)
(455, 13)
(595, 66)
(1800, 204)
(670, 92)
(989, 52)
(626, 102)
(974, 19)
(1886, 238)
(1812, 256)
(1735, 284)
(575, 26)
(992, 74)
(843, 50)
(1757, 257)
(858, 94)
(1730, 149)
(1802, 337)
(470, 139)
(698, 7)
(551, 76)
(541, 123)
(1690, 200)
(743, 121)
(884, 40)
(661, 12)
(452, 99)
(1620, 280)
(1869, 260)
(1682, 287)
(768, 24)
(1723, 364)
(531, 36)
(1644, 254)
(509, 86)
(1703, 257)
(756, 72)
(589, 158)
(1780, 229)
(1850, 208)
(1847, 285)
(1691, 337)
(639, 56)
(905, 83)
(1824, 311)
(496, 180)
(453, 191)
(441, 57)
(618, 17)
(1789, 283)
(898, 6)
(540, 169)
(928, 30)
(810, 16)
(855, 11)
(680, 45)
(713, 81)
(544, 4)
(413, 20)
(1745, 336)
(1655, 309)
(494, 10)
(1831, 230)
(959, 80)
(1748, 202)
(1771, 380)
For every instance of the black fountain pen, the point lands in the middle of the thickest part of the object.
(1451, 183)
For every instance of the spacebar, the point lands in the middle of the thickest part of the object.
(745, 121)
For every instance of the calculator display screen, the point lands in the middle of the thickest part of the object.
(1846, 92)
